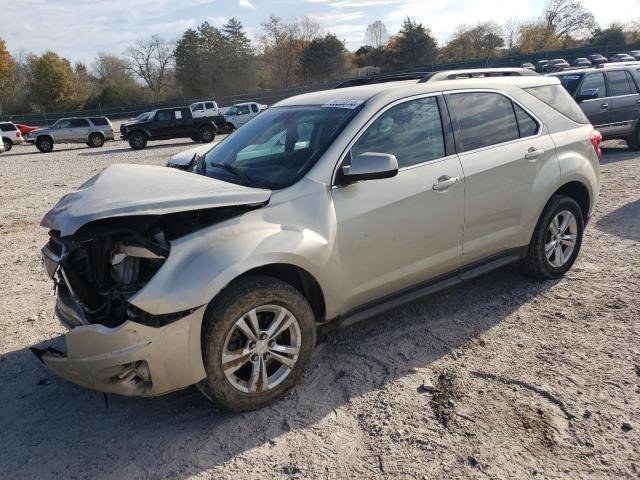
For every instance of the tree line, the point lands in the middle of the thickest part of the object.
(210, 61)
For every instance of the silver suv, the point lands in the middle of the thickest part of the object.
(93, 131)
(326, 209)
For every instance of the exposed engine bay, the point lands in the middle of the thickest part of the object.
(107, 261)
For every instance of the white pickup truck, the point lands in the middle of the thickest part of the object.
(208, 108)
(241, 113)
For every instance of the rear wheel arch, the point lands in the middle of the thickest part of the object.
(579, 192)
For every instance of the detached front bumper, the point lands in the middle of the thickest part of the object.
(131, 359)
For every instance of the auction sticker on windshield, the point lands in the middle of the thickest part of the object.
(350, 104)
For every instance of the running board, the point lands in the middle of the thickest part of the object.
(421, 291)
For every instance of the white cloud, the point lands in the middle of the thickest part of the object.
(246, 4)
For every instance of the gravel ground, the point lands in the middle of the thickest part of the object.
(502, 377)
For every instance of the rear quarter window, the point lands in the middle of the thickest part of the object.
(99, 122)
(560, 100)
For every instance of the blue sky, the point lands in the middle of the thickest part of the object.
(78, 29)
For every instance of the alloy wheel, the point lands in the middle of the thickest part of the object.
(261, 349)
(561, 238)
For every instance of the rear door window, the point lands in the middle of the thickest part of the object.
(594, 81)
(412, 131)
(559, 99)
(79, 123)
(620, 83)
(482, 119)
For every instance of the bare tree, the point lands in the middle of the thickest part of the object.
(150, 60)
(511, 30)
(568, 18)
(376, 35)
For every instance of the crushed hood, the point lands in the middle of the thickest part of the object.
(126, 190)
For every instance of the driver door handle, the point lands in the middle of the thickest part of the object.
(533, 153)
(445, 182)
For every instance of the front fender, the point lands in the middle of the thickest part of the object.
(201, 264)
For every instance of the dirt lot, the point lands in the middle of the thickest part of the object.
(502, 377)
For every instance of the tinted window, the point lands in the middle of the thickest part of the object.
(594, 81)
(526, 124)
(482, 119)
(279, 146)
(79, 123)
(197, 107)
(412, 131)
(243, 110)
(621, 83)
(254, 107)
(100, 122)
(570, 82)
(559, 99)
(163, 116)
(63, 123)
(209, 105)
(7, 127)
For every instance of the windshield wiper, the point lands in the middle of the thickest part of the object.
(234, 170)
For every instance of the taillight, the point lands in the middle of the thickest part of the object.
(596, 139)
(18, 134)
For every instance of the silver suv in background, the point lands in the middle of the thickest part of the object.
(610, 97)
(326, 209)
(93, 131)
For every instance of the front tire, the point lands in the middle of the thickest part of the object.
(45, 144)
(7, 144)
(556, 240)
(137, 140)
(258, 336)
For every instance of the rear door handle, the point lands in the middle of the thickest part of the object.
(445, 182)
(605, 105)
(533, 153)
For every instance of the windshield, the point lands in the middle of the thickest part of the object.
(571, 82)
(276, 148)
(142, 117)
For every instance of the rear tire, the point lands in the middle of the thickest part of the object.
(555, 246)
(257, 304)
(634, 140)
(137, 140)
(96, 140)
(207, 134)
(45, 144)
(7, 144)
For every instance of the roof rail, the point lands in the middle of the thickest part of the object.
(481, 73)
(423, 77)
(388, 77)
(619, 64)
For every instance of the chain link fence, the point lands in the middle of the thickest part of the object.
(270, 97)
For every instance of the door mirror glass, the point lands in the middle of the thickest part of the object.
(370, 166)
(588, 94)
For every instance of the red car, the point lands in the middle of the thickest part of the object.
(25, 129)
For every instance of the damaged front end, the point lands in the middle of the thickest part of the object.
(100, 259)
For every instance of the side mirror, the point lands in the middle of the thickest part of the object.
(370, 166)
(588, 94)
